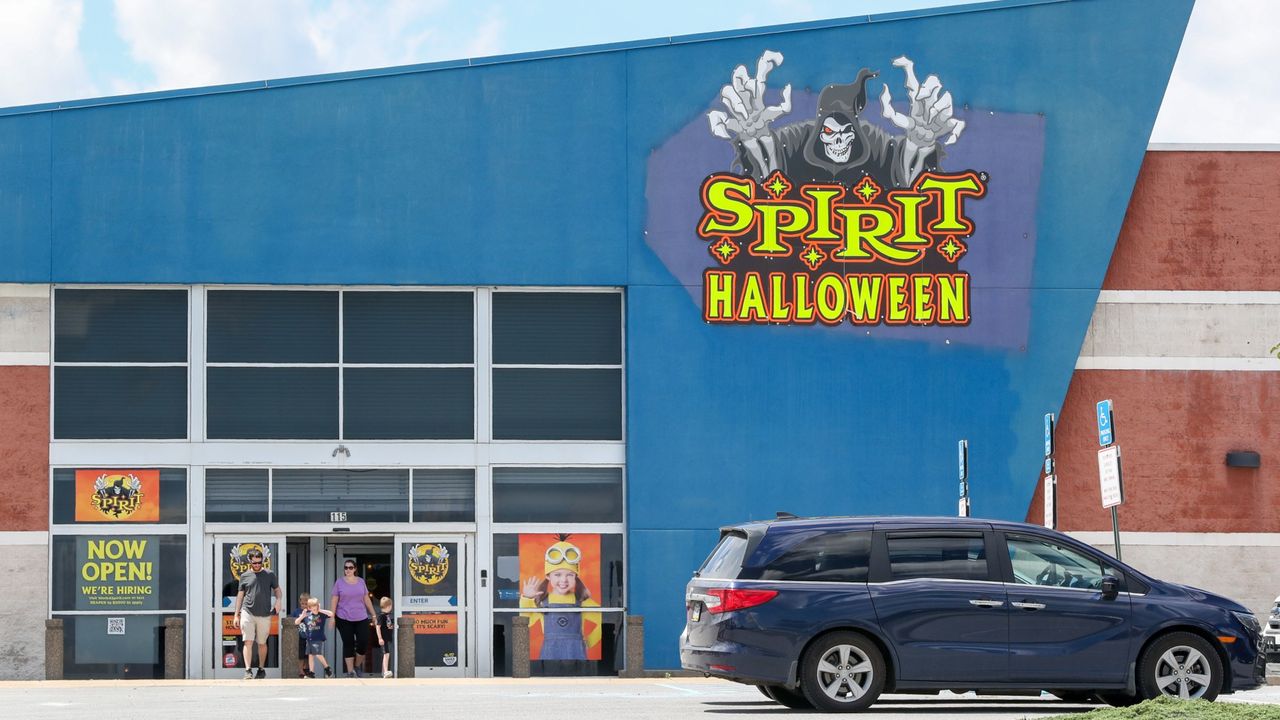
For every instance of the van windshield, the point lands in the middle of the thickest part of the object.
(726, 560)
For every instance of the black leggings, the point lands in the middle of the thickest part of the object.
(355, 636)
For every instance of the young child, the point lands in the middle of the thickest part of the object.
(302, 642)
(311, 629)
(560, 587)
(386, 628)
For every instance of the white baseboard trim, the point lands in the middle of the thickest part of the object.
(1221, 364)
(24, 358)
(24, 537)
(1189, 297)
(1184, 539)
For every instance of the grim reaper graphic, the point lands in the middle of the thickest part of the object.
(838, 145)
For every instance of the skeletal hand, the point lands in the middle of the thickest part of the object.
(930, 119)
(748, 117)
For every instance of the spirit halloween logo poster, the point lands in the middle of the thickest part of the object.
(117, 496)
(431, 575)
(832, 219)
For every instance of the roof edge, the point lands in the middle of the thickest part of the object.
(521, 57)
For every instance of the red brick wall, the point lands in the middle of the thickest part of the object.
(1201, 221)
(24, 448)
(1174, 429)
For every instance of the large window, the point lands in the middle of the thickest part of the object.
(119, 364)
(119, 496)
(558, 557)
(557, 494)
(320, 365)
(314, 494)
(557, 366)
(117, 566)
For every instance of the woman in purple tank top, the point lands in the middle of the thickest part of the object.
(352, 610)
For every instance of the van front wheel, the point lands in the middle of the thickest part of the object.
(842, 672)
(1181, 665)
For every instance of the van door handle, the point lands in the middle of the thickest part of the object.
(1028, 605)
(987, 603)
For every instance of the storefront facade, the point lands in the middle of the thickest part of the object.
(395, 491)
(468, 324)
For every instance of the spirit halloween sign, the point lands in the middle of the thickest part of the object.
(834, 219)
(431, 577)
(117, 496)
(117, 573)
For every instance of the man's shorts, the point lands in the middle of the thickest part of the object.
(255, 628)
(315, 648)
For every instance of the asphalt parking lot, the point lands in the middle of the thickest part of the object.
(554, 699)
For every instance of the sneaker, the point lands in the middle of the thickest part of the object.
(386, 673)
(359, 673)
(310, 675)
(262, 674)
(248, 673)
(328, 672)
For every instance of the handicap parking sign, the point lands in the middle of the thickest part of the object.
(1106, 427)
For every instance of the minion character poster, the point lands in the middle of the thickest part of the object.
(561, 573)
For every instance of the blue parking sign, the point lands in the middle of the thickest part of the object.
(1106, 426)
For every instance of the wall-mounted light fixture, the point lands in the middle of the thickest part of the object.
(1243, 459)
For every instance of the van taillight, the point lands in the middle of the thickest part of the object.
(720, 600)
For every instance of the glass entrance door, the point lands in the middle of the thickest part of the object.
(432, 596)
(373, 564)
(231, 561)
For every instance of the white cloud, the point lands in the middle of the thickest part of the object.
(39, 50)
(487, 40)
(188, 43)
(1223, 88)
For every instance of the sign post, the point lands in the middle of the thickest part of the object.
(964, 478)
(1110, 478)
(1050, 480)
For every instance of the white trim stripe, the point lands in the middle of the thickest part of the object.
(1213, 147)
(23, 290)
(1212, 364)
(23, 537)
(1099, 537)
(24, 358)
(1190, 297)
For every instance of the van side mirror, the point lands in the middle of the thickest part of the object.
(1110, 587)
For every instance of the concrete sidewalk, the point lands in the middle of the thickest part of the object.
(527, 699)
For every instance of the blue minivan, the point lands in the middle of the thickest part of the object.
(828, 613)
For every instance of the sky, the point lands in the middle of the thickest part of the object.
(53, 50)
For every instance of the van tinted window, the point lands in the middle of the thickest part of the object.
(943, 556)
(828, 557)
(726, 560)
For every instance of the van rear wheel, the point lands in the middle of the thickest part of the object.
(787, 697)
(842, 672)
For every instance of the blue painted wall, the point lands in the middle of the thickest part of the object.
(536, 171)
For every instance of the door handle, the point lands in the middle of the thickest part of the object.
(987, 603)
(1028, 605)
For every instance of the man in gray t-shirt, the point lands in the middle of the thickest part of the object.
(253, 610)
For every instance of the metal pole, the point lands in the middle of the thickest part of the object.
(1115, 531)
